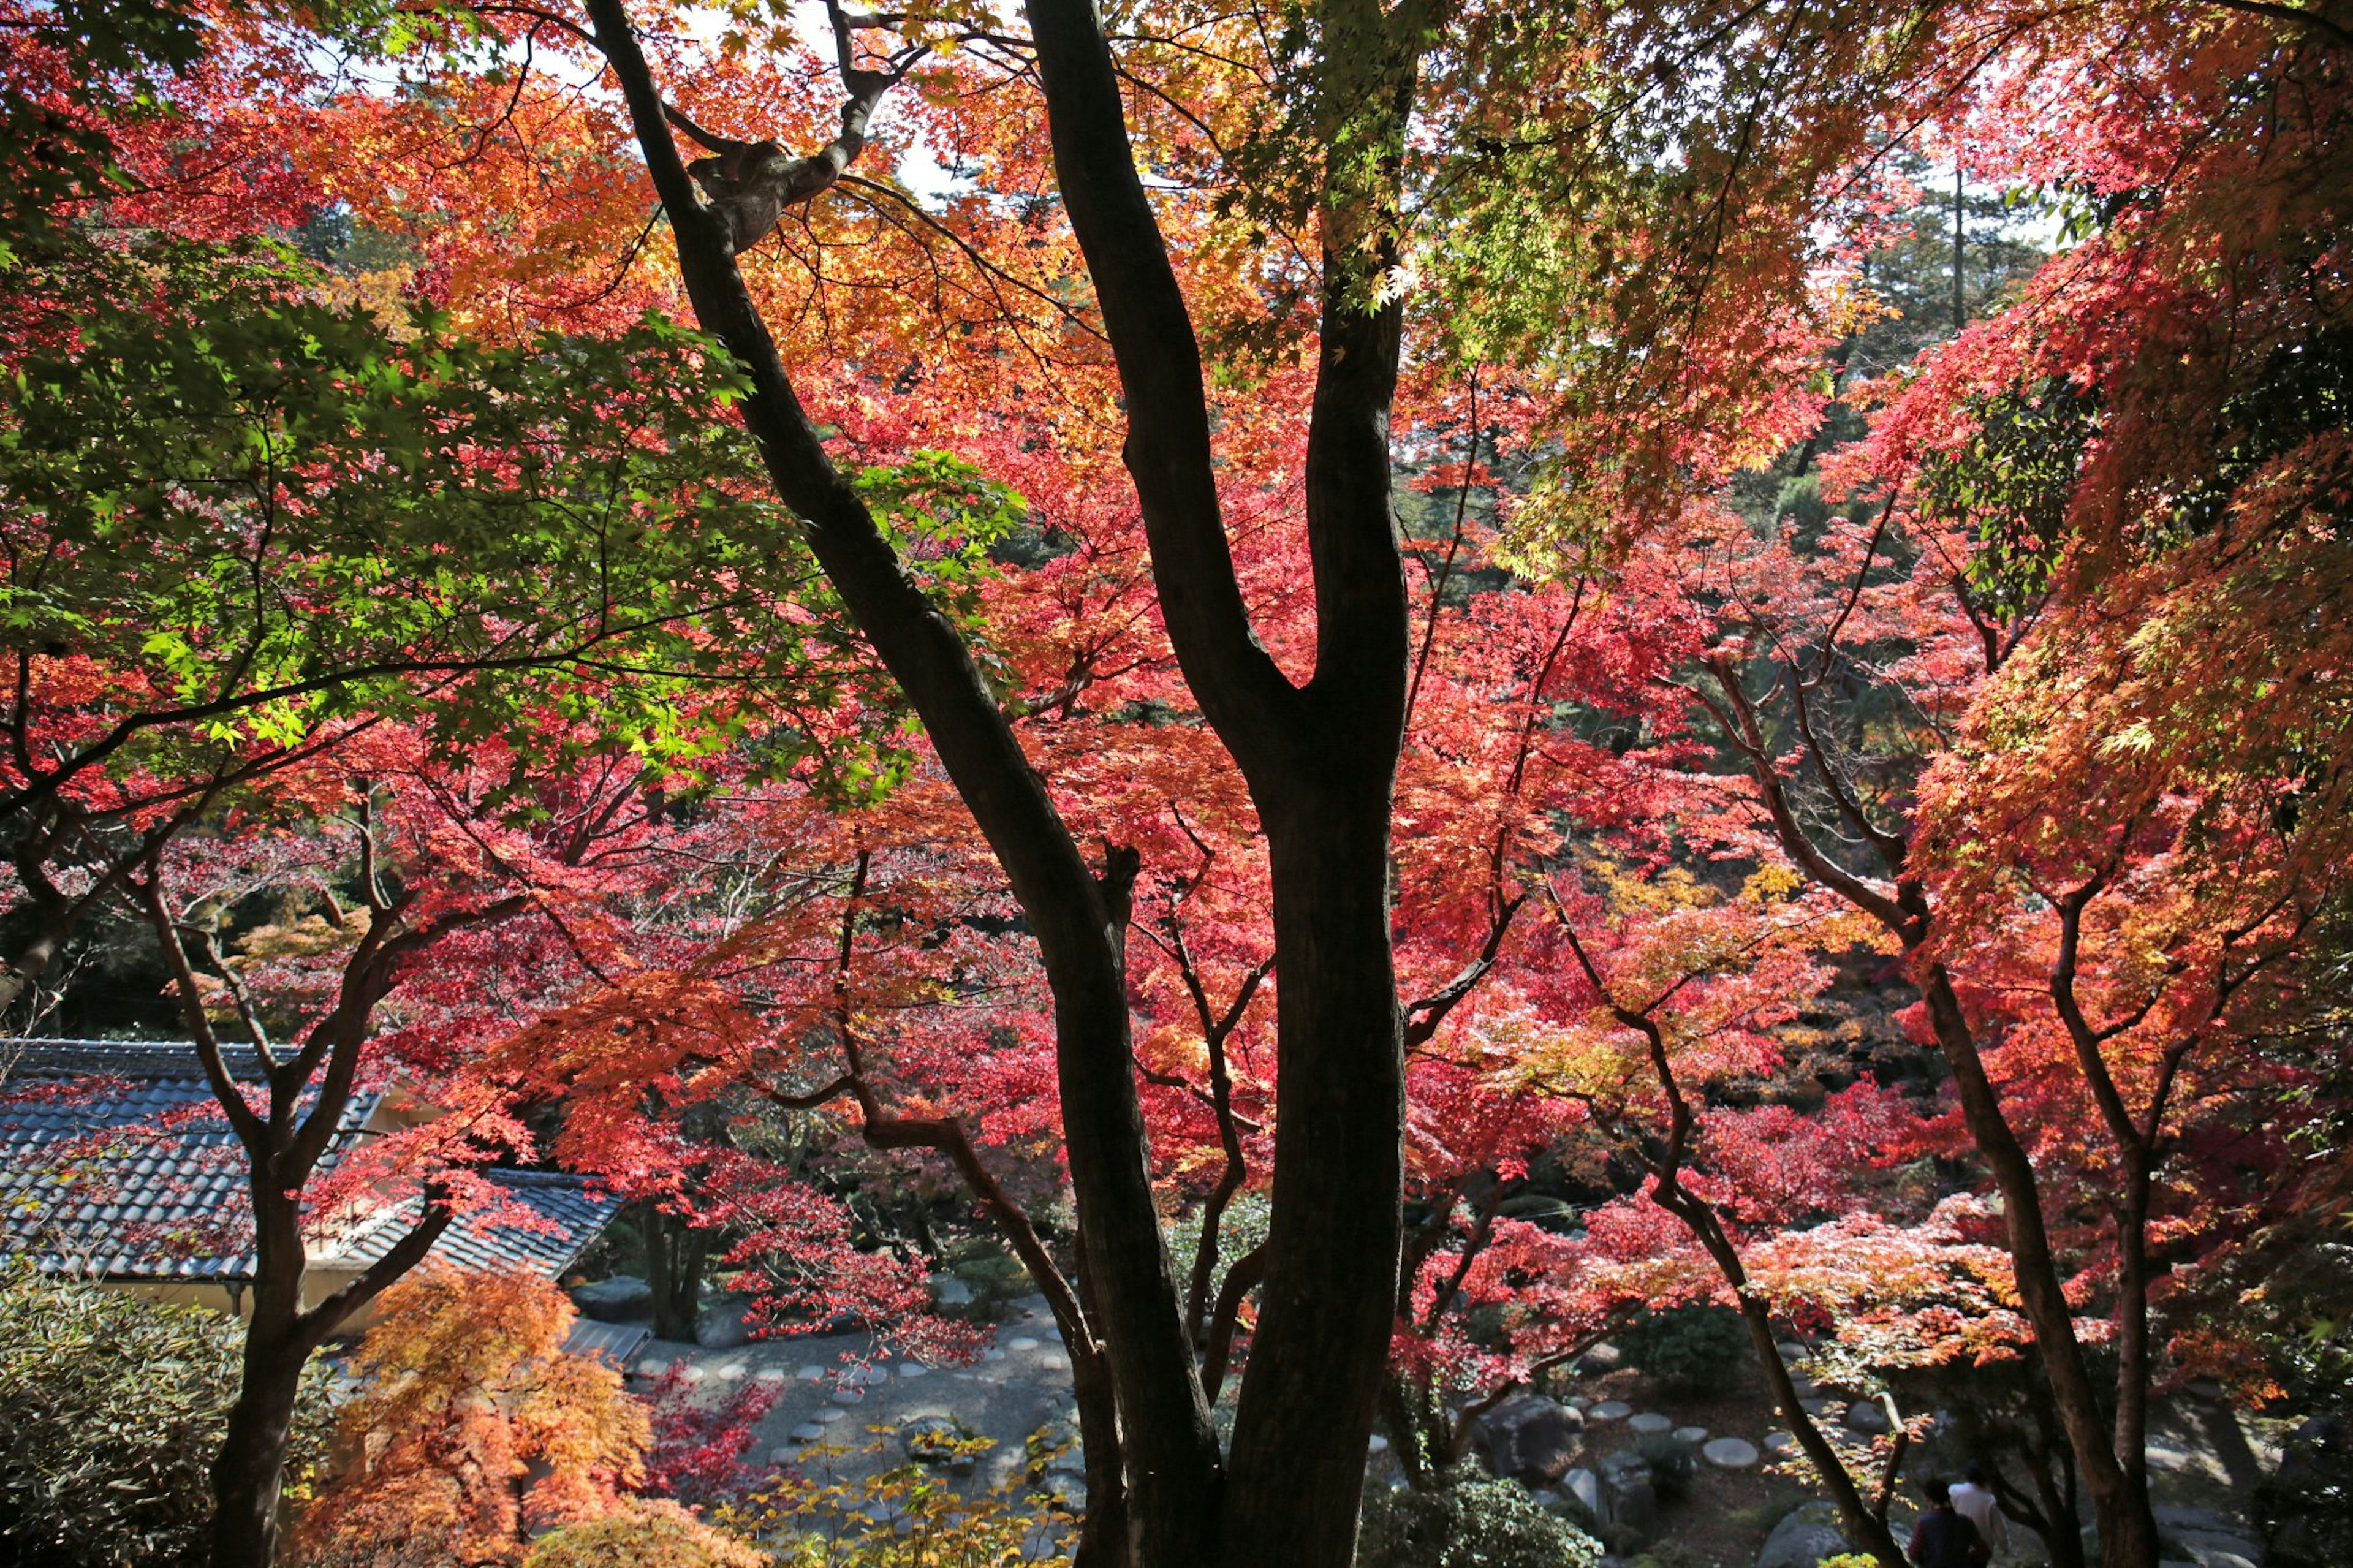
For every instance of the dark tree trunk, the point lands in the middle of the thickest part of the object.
(1320, 762)
(1312, 1386)
(676, 1253)
(250, 1470)
(2118, 1484)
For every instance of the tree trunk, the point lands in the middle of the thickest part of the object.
(1320, 763)
(2118, 1486)
(675, 1254)
(250, 1470)
(1312, 1386)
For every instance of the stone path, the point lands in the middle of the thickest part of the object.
(834, 1388)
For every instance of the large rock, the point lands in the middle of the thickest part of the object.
(1603, 1357)
(721, 1324)
(1868, 1418)
(623, 1299)
(1803, 1537)
(1529, 1438)
(939, 1440)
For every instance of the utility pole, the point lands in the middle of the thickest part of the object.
(1961, 302)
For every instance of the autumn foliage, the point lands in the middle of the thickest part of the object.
(723, 594)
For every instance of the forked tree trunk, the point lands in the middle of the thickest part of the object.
(1320, 762)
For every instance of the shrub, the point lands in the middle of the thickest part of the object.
(644, 1535)
(1688, 1349)
(900, 1515)
(475, 1429)
(1469, 1523)
(111, 1408)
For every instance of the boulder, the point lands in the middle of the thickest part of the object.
(1585, 1488)
(938, 1440)
(1636, 1507)
(1529, 1438)
(1603, 1357)
(721, 1326)
(1803, 1537)
(1868, 1418)
(623, 1299)
(947, 1290)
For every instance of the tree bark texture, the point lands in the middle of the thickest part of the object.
(1320, 762)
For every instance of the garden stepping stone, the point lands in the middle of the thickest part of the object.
(1791, 1351)
(1730, 1453)
(652, 1368)
(1610, 1410)
(913, 1369)
(1021, 1342)
(770, 1375)
(1054, 1362)
(1816, 1407)
(829, 1415)
(693, 1373)
(1695, 1436)
(810, 1374)
(848, 1395)
(733, 1370)
(808, 1432)
(1648, 1422)
(1780, 1445)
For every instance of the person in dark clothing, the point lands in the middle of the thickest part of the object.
(1943, 1539)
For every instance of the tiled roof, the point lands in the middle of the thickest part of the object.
(613, 1343)
(544, 1225)
(116, 1161)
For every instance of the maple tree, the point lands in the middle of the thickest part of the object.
(2029, 684)
(2038, 520)
(475, 1430)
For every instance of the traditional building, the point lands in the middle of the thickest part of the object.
(116, 1164)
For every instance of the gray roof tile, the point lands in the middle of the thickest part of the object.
(116, 1161)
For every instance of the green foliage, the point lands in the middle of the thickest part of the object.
(111, 1408)
(237, 518)
(2012, 484)
(1692, 1347)
(1468, 1523)
(645, 1535)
